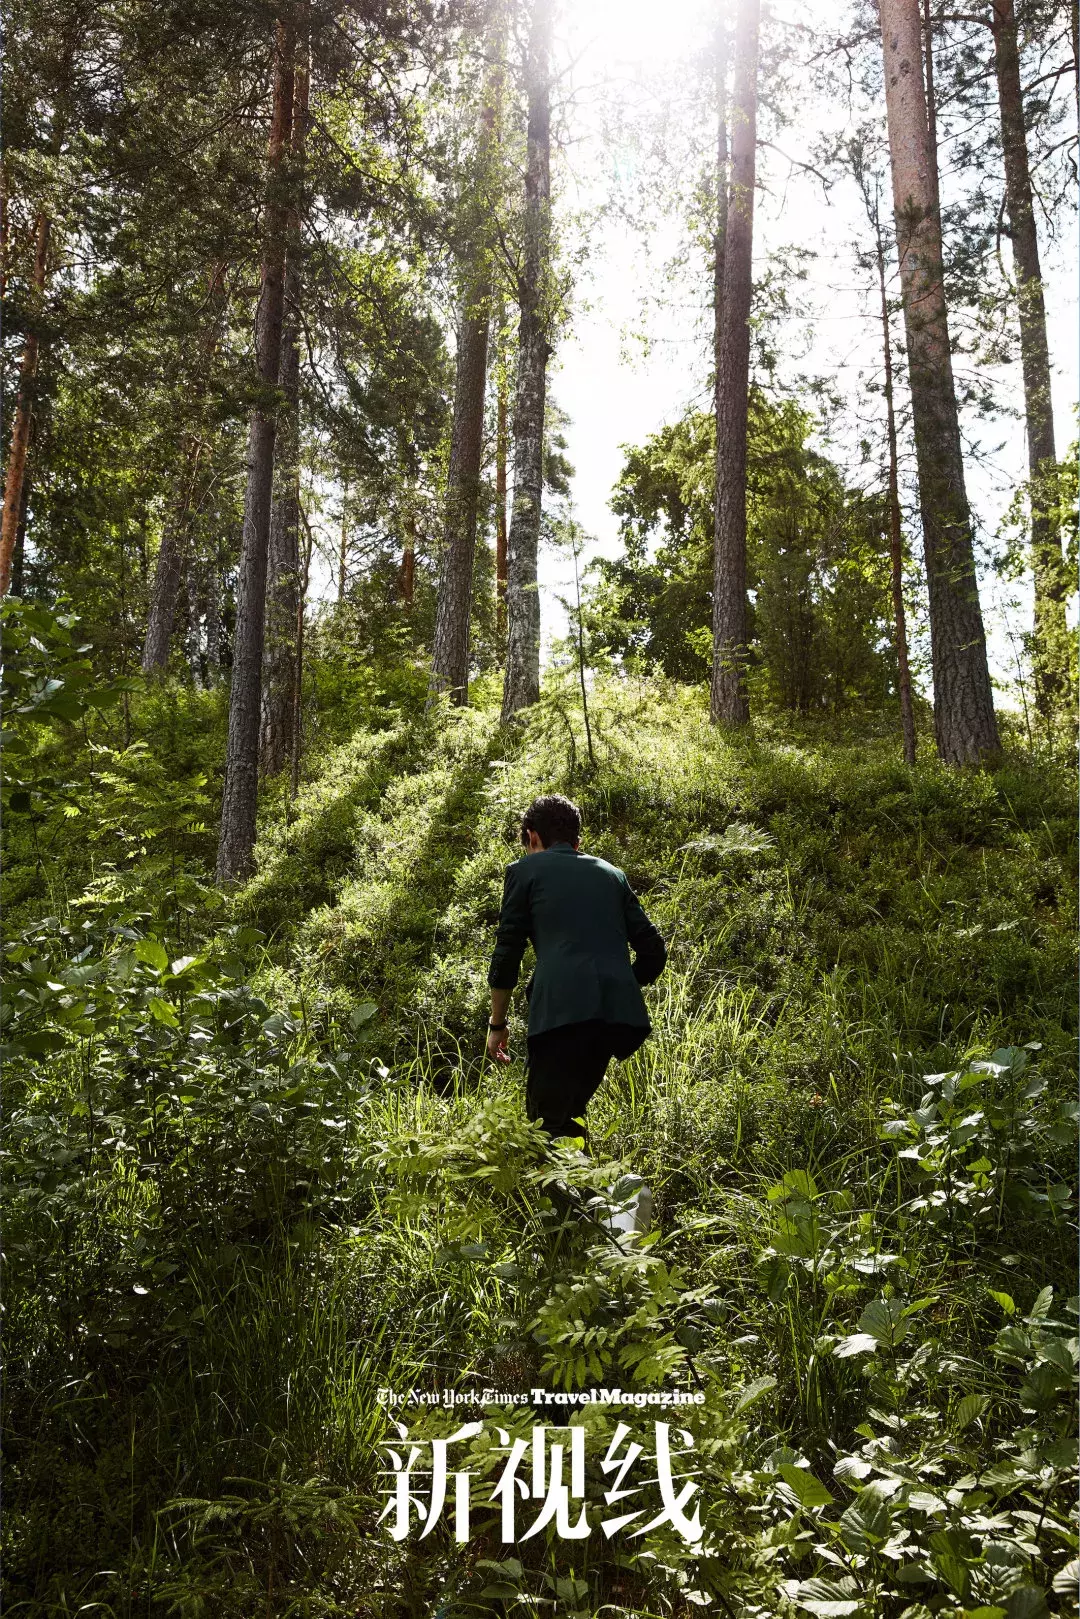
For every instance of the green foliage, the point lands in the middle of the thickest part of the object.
(817, 563)
(255, 1170)
(107, 786)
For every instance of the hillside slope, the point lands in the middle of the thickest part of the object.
(327, 1193)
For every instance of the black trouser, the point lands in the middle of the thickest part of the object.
(566, 1067)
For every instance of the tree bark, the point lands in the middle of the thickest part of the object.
(502, 445)
(1050, 661)
(408, 561)
(15, 479)
(896, 539)
(343, 543)
(521, 685)
(931, 96)
(729, 704)
(283, 580)
(296, 717)
(450, 649)
(169, 566)
(453, 608)
(239, 805)
(720, 236)
(963, 704)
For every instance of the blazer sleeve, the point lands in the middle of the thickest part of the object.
(513, 933)
(646, 941)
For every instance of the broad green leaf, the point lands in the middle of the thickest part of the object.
(884, 1320)
(1027, 1602)
(830, 1599)
(1042, 1304)
(857, 1343)
(152, 952)
(1067, 1579)
(852, 1467)
(970, 1407)
(753, 1392)
(183, 964)
(810, 1490)
(164, 1012)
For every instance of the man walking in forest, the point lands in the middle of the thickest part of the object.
(585, 1001)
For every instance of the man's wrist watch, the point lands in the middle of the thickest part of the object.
(498, 1027)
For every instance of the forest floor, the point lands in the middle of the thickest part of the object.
(257, 1171)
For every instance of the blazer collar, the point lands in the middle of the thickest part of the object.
(561, 848)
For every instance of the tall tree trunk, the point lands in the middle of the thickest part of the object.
(450, 648)
(240, 800)
(521, 685)
(18, 562)
(453, 608)
(283, 580)
(931, 96)
(169, 567)
(343, 544)
(211, 582)
(720, 235)
(408, 560)
(502, 446)
(1047, 563)
(15, 478)
(296, 718)
(896, 539)
(729, 704)
(963, 705)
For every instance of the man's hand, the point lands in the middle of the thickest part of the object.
(499, 1039)
(497, 1042)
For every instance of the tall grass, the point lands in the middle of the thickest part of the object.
(367, 1208)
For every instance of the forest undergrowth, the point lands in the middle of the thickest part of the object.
(256, 1171)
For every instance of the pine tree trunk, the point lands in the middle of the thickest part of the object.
(450, 649)
(896, 537)
(502, 445)
(1047, 563)
(15, 479)
(169, 566)
(408, 561)
(963, 705)
(343, 544)
(283, 579)
(521, 686)
(729, 704)
(720, 236)
(453, 608)
(931, 97)
(296, 718)
(211, 580)
(240, 802)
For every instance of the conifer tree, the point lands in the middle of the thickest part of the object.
(964, 720)
(237, 838)
(1047, 564)
(450, 650)
(521, 685)
(283, 573)
(729, 703)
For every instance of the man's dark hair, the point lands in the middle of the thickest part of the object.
(554, 820)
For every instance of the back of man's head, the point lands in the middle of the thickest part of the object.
(553, 818)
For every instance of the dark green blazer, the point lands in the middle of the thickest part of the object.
(583, 919)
